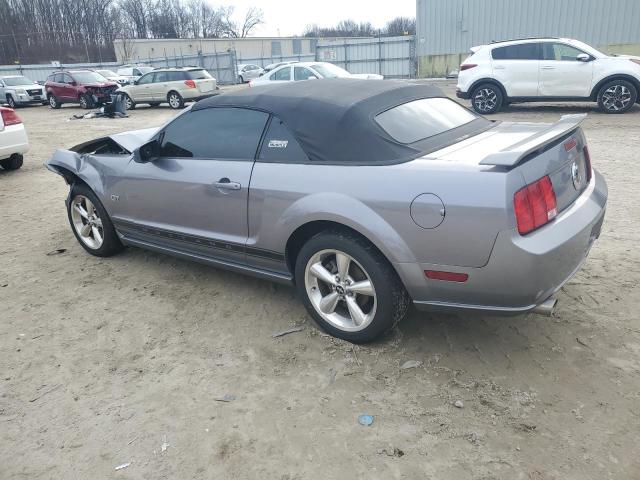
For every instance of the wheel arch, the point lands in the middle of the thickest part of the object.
(493, 81)
(619, 76)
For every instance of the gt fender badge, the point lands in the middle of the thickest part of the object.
(278, 143)
(115, 198)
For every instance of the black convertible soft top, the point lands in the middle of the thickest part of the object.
(333, 119)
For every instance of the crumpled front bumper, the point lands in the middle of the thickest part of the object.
(522, 271)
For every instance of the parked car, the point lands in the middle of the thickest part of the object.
(308, 71)
(174, 86)
(400, 195)
(248, 71)
(547, 70)
(133, 72)
(113, 77)
(18, 90)
(273, 66)
(13, 139)
(84, 87)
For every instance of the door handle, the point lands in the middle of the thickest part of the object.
(499, 67)
(226, 184)
(548, 68)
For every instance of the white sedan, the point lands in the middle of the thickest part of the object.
(13, 139)
(309, 71)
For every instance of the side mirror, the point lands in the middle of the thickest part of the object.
(583, 57)
(135, 82)
(74, 84)
(147, 152)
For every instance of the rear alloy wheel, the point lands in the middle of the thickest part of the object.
(91, 224)
(617, 96)
(348, 287)
(129, 104)
(14, 162)
(11, 101)
(53, 102)
(175, 100)
(486, 99)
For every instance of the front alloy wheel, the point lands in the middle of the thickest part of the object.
(87, 222)
(617, 97)
(340, 290)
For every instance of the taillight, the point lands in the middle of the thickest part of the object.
(9, 117)
(587, 162)
(190, 83)
(467, 66)
(535, 205)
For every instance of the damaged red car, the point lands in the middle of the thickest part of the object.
(84, 87)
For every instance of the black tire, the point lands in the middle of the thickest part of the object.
(129, 104)
(10, 100)
(14, 162)
(613, 101)
(154, 104)
(392, 300)
(111, 243)
(45, 103)
(86, 101)
(487, 98)
(54, 102)
(175, 100)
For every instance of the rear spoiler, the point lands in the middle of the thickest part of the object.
(515, 153)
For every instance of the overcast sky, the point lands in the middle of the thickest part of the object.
(289, 17)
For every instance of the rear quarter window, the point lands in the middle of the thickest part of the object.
(280, 146)
(424, 118)
(524, 51)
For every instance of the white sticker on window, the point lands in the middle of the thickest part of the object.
(278, 143)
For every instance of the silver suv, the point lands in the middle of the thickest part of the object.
(18, 90)
(174, 86)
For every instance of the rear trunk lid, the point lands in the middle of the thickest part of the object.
(532, 150)
(205, 83)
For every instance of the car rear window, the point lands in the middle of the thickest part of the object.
(198, 74)
(424, 118)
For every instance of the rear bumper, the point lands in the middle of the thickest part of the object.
(13, 139)
(463, 95)
(522, 271)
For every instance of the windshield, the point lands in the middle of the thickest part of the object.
(107, 73)
(420, 119)
(329, 70)
(15, 81)
(144, 70)
(88, 77)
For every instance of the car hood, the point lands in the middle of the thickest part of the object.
(26, 85)
(134, 139)
(100, 84)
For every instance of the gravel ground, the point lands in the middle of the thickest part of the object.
(106, 362)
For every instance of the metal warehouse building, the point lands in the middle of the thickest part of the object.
(446, 29)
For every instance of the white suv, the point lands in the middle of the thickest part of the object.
(547, 70)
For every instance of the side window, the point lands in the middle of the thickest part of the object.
(59, 78)
(302, 73)
(561, 52)
(145, 79)
(136, 72)
(161, 77)
(524, 51)
(176, 76)
(280, 146)
(282, 74)
(67, 79)
(222, 133)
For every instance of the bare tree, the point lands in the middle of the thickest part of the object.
(400, 26)
(252, 19)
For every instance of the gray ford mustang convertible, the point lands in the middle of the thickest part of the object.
(365, 195)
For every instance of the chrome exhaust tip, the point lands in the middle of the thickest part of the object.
(546, 308)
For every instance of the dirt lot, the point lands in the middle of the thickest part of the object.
(106, 362)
